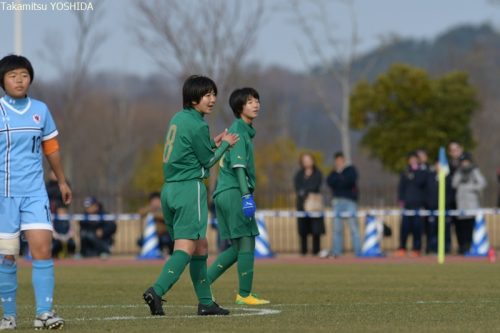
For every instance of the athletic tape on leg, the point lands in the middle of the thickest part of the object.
(10, 246)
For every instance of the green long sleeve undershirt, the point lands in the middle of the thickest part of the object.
(242, 180)
(217, 154)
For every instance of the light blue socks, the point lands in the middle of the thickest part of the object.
(8, 286)
(43, 284)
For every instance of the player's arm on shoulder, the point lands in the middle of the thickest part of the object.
(203, 150)
(218, 139)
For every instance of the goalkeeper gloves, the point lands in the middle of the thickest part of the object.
(248, 205)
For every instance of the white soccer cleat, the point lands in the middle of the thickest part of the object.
(8, 323)
(48, 321)
(323, 254)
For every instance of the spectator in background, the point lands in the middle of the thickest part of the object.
(343, 183)
(498, 180)
(411, 197)
(53, 191)
(306, 181)
(154, 207)
(423, 159)
(455, 150)
(63, 242)
(423, 162)
(469, 183)
(96, 235)
(432, 204)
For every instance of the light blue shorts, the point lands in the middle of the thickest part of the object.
(23, 213)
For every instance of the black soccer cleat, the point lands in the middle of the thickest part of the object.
(154, 301)
(211, 310)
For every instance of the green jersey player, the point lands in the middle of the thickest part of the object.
(188, 155)
(233, 196)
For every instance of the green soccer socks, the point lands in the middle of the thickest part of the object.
(242, 251)
(201, 283)
(171, 272)
(246, 264)
(223, 261)
(245, 272)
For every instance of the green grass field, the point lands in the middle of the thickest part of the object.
(356, 297)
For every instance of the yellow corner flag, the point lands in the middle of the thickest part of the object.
(443, 171)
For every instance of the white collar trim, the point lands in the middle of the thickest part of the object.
(9, 106)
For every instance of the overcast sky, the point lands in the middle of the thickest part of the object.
(278, 38)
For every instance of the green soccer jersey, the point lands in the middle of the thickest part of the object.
(240, 156)
(189, 152)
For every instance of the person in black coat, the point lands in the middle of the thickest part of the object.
(455, 150)
(96, 236)
(498, 181)
(63, 241)
(343, 182)
(308, 180)
(411, 197)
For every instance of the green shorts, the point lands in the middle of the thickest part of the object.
(232, 223)
(185, 209)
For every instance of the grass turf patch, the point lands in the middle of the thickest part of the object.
(305, 298)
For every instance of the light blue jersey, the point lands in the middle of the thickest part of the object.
(24, 125)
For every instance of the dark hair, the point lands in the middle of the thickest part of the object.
(420, 150)
(239, 98)
(453, 141)
(154, 195)
(411, 154)
(338, 154)
(12, 62)
(195, 87)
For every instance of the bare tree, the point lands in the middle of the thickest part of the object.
(105, 123)
(210, 37)
(333, 55)
(74, 68)
(118, 147)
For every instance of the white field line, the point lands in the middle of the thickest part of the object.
(246, 312)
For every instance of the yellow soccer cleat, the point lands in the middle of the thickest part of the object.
(251, 299)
